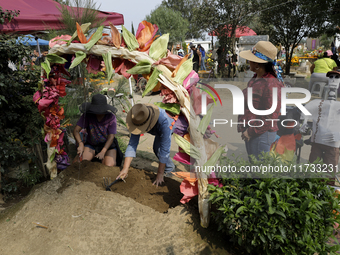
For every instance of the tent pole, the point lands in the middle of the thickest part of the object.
(36, 38)
(131, 91)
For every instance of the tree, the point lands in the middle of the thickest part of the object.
(333, 19)
(169, 21)
(222, 17)
(187, 8)
(291, 21)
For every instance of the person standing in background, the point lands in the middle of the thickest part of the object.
(202, 50)
(260, 134)
(196, 57)
(321, 67)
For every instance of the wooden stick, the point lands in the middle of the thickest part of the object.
(38, 224)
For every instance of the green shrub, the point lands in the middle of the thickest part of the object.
(99, 75)
(20, 121)
(276, 215)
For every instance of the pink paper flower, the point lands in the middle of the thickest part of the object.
(59, 40)
(191, 80)
(36, 97)
(170, 61)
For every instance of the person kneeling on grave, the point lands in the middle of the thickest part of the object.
(149, 118)
(100, 123)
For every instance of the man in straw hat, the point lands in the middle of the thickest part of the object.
(257, 132)
(148, 118)
(100, 123)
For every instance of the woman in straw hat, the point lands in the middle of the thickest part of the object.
(100, 123)
(148, 118)
(257, 132)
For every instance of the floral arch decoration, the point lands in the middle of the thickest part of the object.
(128, 55)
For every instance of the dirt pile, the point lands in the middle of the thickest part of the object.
(82, 218)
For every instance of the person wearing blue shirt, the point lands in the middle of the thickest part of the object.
(148, 118)
(202, 50)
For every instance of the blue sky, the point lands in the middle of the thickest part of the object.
(133, 10)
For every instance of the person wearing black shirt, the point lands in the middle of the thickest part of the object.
(196, 58)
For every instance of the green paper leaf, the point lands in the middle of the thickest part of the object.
(80, 56)
(215, 157)
(188, 148)
(47, 67)
(53, 155)
(184, 71)
(95, 38)
(202, 127)
(152, 82)
(142, 67)
(159, 47)
(54, 58)
(173, 108)
(129, 39)
(107, 57)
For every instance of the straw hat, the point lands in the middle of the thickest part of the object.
(142, 118)
(98, 105)
(262, 52)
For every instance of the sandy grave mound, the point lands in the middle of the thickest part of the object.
(82, 218)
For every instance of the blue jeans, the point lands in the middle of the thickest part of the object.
(203, 64)
(260, 144)
(169, 166)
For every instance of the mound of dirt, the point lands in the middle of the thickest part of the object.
(137, 186)
(77, 216)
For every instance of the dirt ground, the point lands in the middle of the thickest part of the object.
(82, 218)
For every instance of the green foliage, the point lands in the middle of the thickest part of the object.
(290, 22)
(20, 121)
(6, 16)
(326, 41)
(122, 143)
(86, 11)
(276, 215)
(224, 17)
(31, 177)
(187, 9)
(169, 21)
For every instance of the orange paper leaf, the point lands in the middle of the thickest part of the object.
(179, 65)
(81, 35)
(115, 35)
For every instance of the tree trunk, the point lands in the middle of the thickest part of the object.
(288, 59)
(1, 196)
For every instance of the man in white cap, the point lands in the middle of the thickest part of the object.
(148, 118)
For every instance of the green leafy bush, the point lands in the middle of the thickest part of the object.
(276, 215)
(20, 121)
(99, 75)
